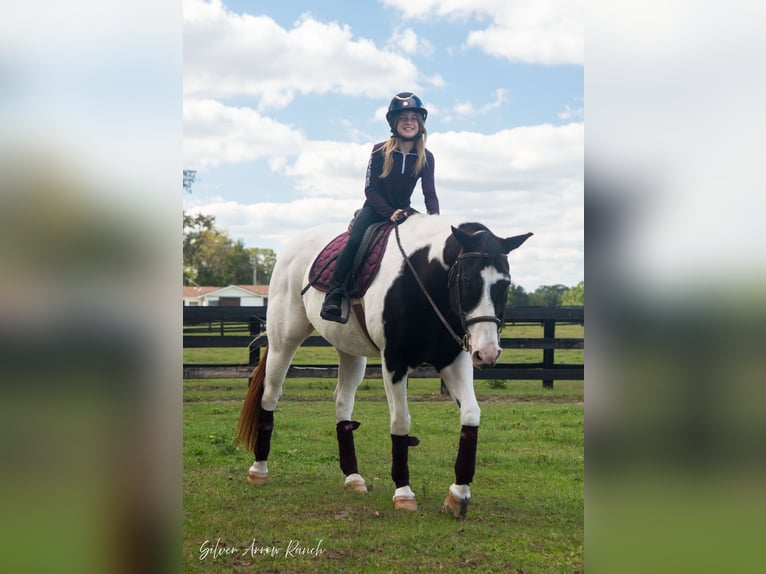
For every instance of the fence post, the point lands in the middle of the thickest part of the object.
(549, 332)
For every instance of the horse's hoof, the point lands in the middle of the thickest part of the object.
(256, 478)
(405, 503)
(356, 483)
(357, 486)
(455, 506)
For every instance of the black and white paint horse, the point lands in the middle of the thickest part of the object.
(463, 269)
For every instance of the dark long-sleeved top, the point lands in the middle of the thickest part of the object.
(394, 192)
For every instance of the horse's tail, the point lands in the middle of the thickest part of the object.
(247, 428)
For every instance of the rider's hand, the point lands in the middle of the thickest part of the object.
(398, 215)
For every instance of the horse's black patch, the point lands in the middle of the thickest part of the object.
(414, 333)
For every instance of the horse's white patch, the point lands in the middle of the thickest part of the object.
(489, 276)
(483, 337)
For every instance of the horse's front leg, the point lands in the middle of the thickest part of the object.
(401, 441)
(458, 377)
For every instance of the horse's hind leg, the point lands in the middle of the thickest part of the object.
(284, 340)
(350, 375)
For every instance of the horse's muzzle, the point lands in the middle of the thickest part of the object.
(486, 357)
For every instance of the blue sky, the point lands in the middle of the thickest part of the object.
(283, 101)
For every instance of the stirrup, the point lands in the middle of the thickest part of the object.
(337, 313)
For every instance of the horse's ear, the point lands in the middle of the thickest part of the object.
(463, 238)
(511, 243)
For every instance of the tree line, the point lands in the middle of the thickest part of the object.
(211, 257)
(547, 295)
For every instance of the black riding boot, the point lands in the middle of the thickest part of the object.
(337, 293)
(332, 308)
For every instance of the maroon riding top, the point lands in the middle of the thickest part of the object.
(394, 192)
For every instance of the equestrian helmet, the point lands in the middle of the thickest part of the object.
(404, 101)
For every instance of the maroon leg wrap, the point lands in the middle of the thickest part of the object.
(263, 440)
(347, 452)
(465, 465)
(400, 471)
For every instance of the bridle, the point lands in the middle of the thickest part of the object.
(455, 275)
(453, 284)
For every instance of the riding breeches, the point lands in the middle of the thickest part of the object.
(366, 217)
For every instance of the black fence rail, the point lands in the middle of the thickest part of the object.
(242, 327)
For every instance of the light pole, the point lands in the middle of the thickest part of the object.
(254, 263)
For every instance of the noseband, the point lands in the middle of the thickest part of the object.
(453, 285)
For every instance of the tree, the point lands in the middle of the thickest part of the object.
(547, 295)
(574, 295)
(211, 257)
(199, 235)
(190, 176)
(263, 260)
(517, 296)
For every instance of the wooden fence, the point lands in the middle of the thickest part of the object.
(242, 327)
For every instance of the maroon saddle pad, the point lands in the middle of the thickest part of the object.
(366, 262)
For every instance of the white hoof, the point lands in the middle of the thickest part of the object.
(356, 483)
(258, 473)
(404, 499)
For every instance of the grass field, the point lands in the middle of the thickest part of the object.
(527, 508)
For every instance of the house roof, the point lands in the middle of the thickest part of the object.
(262, 290)
(197, 291)
(201, 290)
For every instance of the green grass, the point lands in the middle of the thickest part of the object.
(301, 389)
(527, 508)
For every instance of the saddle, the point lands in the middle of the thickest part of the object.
(366, 262)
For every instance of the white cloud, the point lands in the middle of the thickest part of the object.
(318, 173)
(530, 153)
(272, 224)
(406, 40)
(227, 54)
(216, 134)
(570, 114)
(518, 180)
(467, 109)
(521, 30)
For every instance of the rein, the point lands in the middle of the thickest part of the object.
(453, 272)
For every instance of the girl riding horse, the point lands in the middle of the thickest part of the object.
(392, 172)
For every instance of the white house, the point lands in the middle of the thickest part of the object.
(233, 295)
